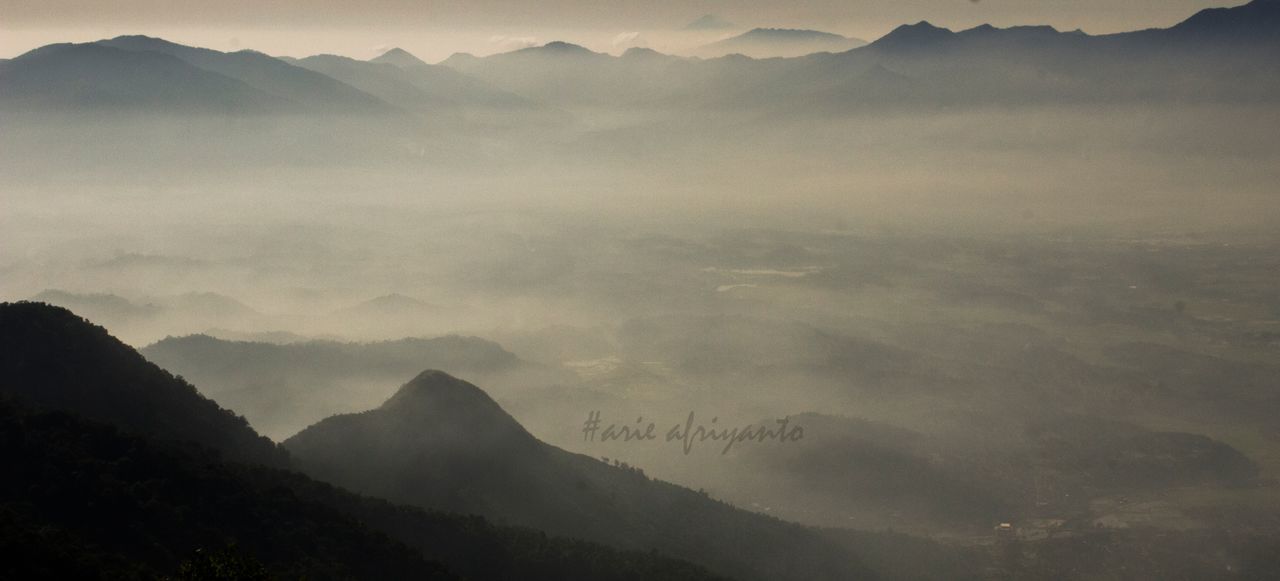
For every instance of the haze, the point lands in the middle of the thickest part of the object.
(1001, 275)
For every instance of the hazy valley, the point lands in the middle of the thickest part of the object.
(996, 275)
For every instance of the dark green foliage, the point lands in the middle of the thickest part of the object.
(85, 501)
(52, 358)
(226, 564)
(83, 498)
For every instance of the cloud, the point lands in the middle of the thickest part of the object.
(709, 22)
(628, 39)
(505, 42)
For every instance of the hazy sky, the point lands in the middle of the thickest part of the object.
(437, 28)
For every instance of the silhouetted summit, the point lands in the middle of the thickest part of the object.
(561, 48)
(912, 36)
(436, 392)
(398, 57)
(450, 410)
(1256, 21)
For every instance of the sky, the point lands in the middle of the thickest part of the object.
(434, 29)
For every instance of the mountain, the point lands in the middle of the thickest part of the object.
(1222, 56)
(391, 305)
(442, 443)
(310, 90)
(51, 358)
(101, 78)
(398, 57)
(210, 304)
(136, 103)
(779, 42)
(141, 320)
(99, 306)
(206, 357)
(1255, 22)
(110, 476)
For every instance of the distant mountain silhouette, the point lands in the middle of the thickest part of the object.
(394, 304)
(145, 318)
(210, 304)
(308, 89)
(144, 102)
(779, 42)
(398, 57)
(442, 443)
(102, 306)
(1220, 55)
(1257, 21)
(202, 355)
(95, 77)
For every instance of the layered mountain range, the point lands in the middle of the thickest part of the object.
(1224, 54)
(149, 449)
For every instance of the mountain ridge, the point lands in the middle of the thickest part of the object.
(411, 450)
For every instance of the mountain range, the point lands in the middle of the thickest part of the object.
(167, 483)
(203, 490)
(284, 388)
(1217, 54)
(137, 100)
